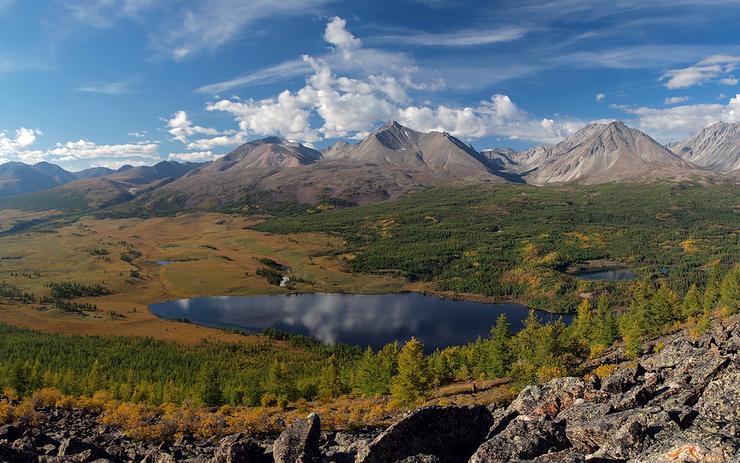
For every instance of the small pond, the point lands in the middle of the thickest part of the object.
(365, 320)
(612, 274)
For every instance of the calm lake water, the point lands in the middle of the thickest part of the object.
(365, 320)
(614, 274)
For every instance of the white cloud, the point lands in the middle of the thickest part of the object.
(108, 88)
(714, 67)
(600, 97)
(336, 33)
(331, 106)
(77, 154)
(675, 100)
(85, 149)
(194, 156)
(11, 146)
(678, 122)
(209, 24)
(466, 38)
(181, 128)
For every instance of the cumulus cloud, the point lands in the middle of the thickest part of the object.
(336, 33)
(600, 97)
(11, 146)
(75, 154)
(181, 128)
(85, 149)
(678, 122)
(712, 68)
(333, 106)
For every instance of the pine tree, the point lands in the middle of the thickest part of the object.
(729, 290)
(499, 351)
(412, 383)
(209, 386)
(330, 385)
(692, 305)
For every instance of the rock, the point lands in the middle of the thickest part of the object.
(10, 432)
(421, 459)
(299, 443)
(639, 431)
(238, 448)
(526, 437)
(446, 432)
(692, 446)
(11, 455)
(720, 402)
(588, 426)
(159, 456)
(550, 398)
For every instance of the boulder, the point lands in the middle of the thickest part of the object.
(550, 398)
(238, 448)
(299, 443)
(588, 426)
(452, 432)
(526, 437)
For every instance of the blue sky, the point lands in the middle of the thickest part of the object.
(109, 82)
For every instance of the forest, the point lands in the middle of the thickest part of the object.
(517, 242)
(282, 368)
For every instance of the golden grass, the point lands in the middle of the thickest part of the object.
(215, 255)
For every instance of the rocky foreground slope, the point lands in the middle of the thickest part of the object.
(679, 402)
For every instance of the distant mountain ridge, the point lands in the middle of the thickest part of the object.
(388, 163)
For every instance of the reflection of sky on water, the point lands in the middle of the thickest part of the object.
(617, 274)
(372, 320)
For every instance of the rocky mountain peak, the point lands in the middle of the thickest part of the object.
(715, 147)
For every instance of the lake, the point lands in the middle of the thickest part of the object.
(365, 320)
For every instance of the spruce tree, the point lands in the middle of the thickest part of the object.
(499, 351)
(412, 383)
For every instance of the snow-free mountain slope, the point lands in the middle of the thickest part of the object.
(609, 152)
(715, 147)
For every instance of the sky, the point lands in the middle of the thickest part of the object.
(111, 82)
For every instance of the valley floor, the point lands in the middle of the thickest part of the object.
(206, 254)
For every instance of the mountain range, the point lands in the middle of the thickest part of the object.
(390, 162)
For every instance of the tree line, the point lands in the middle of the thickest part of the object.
(278, 373)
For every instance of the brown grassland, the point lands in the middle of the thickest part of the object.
(211, 254)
